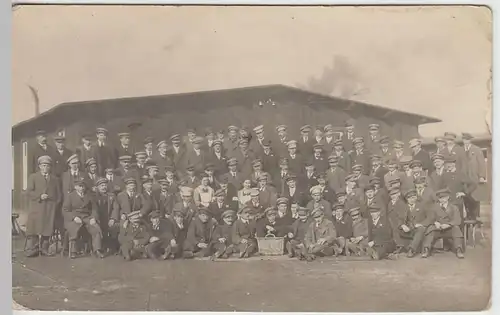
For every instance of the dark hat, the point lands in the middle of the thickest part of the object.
(109, 170)
(392, 161)
(374, 207)
(305, 128)
(410, 193)
(259, 129)
(140, 153)
(333, 159)
(177, 211)
(394, 191)
(243, 140)
(338, 206)
(101, 180)
(340, 194)
(175, 137)
(309, 162)
(437, 156)
(467, 136)
(87, 136)
(369, 187)
(290, 177)
(125, 158)
(443, 192)
(385, 140)
(228, 213)
(203, 210)
(169, 168)
(439, 139)
(302, 210)
(79, 182)
(220, 193)
(209, 131)
(190, 130)
(373, 127)
(232, 161)
(59, 138)
(203, 175)
(244, 210)
(349, 122)
(224, 179)
(450, 135)
(256, 162)
(40, 132)
(101, 130)
(134, 215)
(155, 214)
(338, 142)
(149, 140)
(318, 146)
(72, 158)
(398, 144)
(350, 178)
(375, 180)
(266, 143)
(317, 213)
(281, 200)
(216, 142)
(190, 167)
(197, 140)
(353, 211)
(130, 180)
(420, 180)
(146, 179)
(450, 159)
(209, 167)
(358, 140)
(284, 161)
(124, 134)
(321, 175)
(358, 167)
(405, 159)
(162, 180)
(375, 157)
(90, 161)
(270, 210)
(415, 163)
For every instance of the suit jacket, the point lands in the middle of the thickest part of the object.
(89, 181)
(131, 233)
(163, 162)
(307, 182)
(420, 214)
(224, 231)
(336, 179)
(106, 158)
(450, 215)
(326, 230)
(166, 202)
(397, 213)
(328, 146)
(343, 226)
(475, 164)
(323, 205)
(280, 229)
(299, 196)
(344, 160)
(427, 196)
(236, 181)
(436, 181)
(459, 154)
(305, 148)
(255, 147)
(199, 232)
(296, 166)
(85, 154)
(373, 145)
(68, 181)
(244, 162)
(220, 164)
(243, 230)
(125, 205)
(457, 182)
(216, 211)
(381, 232)
(360, 227)
(320, 164)
(178, 159)
(424, 157)
(329, 195)
(379, 172)
(363, 159)
(268, 196)
(230, 147)
(116, 184)
(279, 181)
(198, 161)
(270, 162)
(192, 182)
(59, 163)
(149, 203)
(391, 176)
(82, 207)
(105, 204)
(121, 151)
(40, 220)
(164, 231)
(299, 229)
(347, 141)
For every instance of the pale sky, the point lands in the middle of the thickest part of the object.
(433, 61)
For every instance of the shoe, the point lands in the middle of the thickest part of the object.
(426, 253)
(188, 255)
(310, 257)
(225, 256)
(217, 255)
(99, 254)
(399, 250)
(411, 253)
(72, 255)
(375, 255)
(164, 256)
(460, 253)
(242, 254)
(32, 254)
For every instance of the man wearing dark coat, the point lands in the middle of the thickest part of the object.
(421, 155)
(244, 233)
(223, 236)
(41, 149)
(81, 213)
(124, 147)
(44, 192)
(269, 158)
(295, 237)
(127, 201)
(295, 160)
(135, 240)
(380, 241)
(104, 154)
(219, 205)
(163, 232)
(360, 156)
(200, 236)
(71, 175)
(217, 158)
(161, 158)
(270, 225)
(343, 224)
(87, 150)
(61, 156)
(319, 161)
(305, 143)
(108, 221)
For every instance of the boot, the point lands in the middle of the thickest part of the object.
(72, 245)
(187, 254)
(411, 253)
(400, 249)
(45, 249)
(426, 252)
(98, 253)
(289, 249)
(460, 253)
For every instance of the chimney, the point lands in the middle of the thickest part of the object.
(34, 94)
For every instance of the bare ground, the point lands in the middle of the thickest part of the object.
(440, 283)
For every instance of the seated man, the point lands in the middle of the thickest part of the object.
(223, 236)
(358, 243)
(343, 225)
(244, 233)
(380, 242)
(109, 220)
(396, 214)
(134, 237)
(162, 230)
(321, 238)
(416, 222)
(318, 202)
(80, 212)
(270, 225)
(179, 231)
(295, 243)
(200, 235)
(446, 225)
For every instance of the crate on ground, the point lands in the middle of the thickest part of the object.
(270, 245)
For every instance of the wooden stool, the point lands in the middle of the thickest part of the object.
(65, 238)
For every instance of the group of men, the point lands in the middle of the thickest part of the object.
(216, 194)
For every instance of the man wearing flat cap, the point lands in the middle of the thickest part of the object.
(295, 237)
(358, 243)
(186, 204)
(305, 143)
(420, 154)
(309, 176)
(148, 147)
(135, 240)
(218, 158)
(231, 143)
(317, 202)
(475, 167)
(81, 213)
(176, 152)
(282, 144)
(162, 158)
(108, 219)
(270, 225)
(377, 167)
(220, 204)
(292, 191)
(223, 236)
(397, 213)
(125, 170)
(41, 148)
(124, 148)
(380, 240)
(384, 150)
(440, 144)
(343, 158)
(87, 150)
(244, 157)
(73, 173)
(244, 233)
(398, 150)
(348, 135)
(343, 225)
(454, 150)
(196, 156)
(255, 145)
(445, 224)
(373, 139)
(425, 195)
(321, 237)
(45, 196)
(105, 155)
(200, 236)
(436, 177)
(335, 175)
(162, 241)
(127, 201)
(267, 193)
(393, 172)
(360, 155)
(149, 199)
(141, 159)
(269, 158)
(91, 176)
(458, 185)
(61, 155)
(319, 160)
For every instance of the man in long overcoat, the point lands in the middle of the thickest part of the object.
(44, 191)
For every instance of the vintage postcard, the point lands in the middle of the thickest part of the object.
(251, 158)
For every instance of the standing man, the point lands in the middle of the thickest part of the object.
(270, 160)
(348, 136)
(141, 157)
(436, 177)
(305, 143)
(360, 155)
(335, 176)
(107, 221)
(257, 144)
(343, 158)
(124, 147)
(231, 144)
(373, 143)
(234, 176)
(105, 155)
(329, 140)
(319, 161)
(397, 150)
(197, 157)
(475, 166)
(217, 158)
(161, 158)
(384, 150)
(45, 196)
(295, 160)
(41, 149)
(87, 150)
(148, 148)
(421, 155)
(377, 169)
(177, 153)
(61, 155)
(455, 151)
(282, 146)
(71, 175)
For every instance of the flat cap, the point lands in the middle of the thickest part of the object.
(198, 140)
(420, 180)
(101, 180)
(125, 158)
(281, 128)
(305, 128)
(398, 144)
(443, 192)
(101, 130)
(270, 211)
(228, 213)
(414, 142)
(44, 159)
(161, 144)
(59, 139)
(467, 136)
(281, 200)
(40, 132)
(410, 193)
(148, 140)
(358, 140)
(124, 134)
(232, 161)
(316, 213)
(414, 163)
(291, 144)
(90, 161)
(373, 126)
(130, 180)
(72, 158)
(259, 129)
(175, 137)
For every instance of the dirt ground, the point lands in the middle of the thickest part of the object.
(275, 284)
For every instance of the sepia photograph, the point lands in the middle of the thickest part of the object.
(251, 158)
